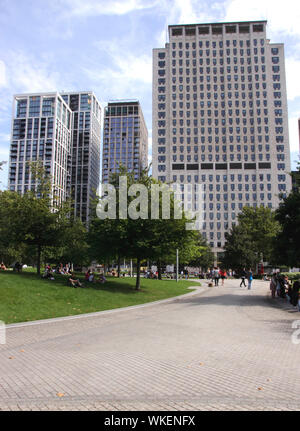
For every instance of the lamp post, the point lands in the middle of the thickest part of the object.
(177, 261)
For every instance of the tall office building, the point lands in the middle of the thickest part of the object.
(86, 141)
(41, 130)
(220, 119)
(125, 138)
(64, 132)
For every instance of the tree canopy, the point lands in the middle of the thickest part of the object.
(251, 240)
(286, 243)
(141, 236)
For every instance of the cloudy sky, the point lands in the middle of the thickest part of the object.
(106, 46)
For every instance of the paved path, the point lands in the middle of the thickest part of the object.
(226, 348)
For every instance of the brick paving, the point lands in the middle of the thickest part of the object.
(223, 348)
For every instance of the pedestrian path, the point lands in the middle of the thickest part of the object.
(223, 348)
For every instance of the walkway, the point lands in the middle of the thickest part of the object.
(226, 348)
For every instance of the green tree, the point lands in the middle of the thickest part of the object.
(72, 246)
(286, 243)
(252, 239)
(31, 219)
(140, 238)
(204, 257)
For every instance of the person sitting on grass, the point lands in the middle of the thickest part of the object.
(2, 266)
(87, 275)
(48, 275)
(91, 277)
(102, 279)
(74, 281)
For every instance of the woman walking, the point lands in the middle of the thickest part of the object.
(223, 275)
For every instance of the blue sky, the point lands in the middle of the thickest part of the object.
(106, 46)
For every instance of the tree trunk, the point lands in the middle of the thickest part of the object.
(119, 266)
(159, 269)
(138, 274)
(38, 266)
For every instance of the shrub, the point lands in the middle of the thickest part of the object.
(292, 275)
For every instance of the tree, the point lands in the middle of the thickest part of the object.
(204, 256)
(73, 246)
(252, 239)
(30, 219)
(139, 237)
(286, 243)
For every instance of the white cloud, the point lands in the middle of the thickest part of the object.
(185, 12)
(282, 17)
(127, 76)
(2, 74)
(293, 132)
(28, 74)
(292, 78)
(85, 8)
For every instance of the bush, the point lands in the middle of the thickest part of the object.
(292, 275)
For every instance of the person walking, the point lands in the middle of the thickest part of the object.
(249, 278)
(273, 284)
(223, 275)
(216, 275)
(243, 277)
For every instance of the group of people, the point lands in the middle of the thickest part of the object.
(90, 277)
(72, 280)
(63, 269)
(281, 286)
(215, 274)
(246, 275)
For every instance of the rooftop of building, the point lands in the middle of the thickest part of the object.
(218, 23)
(124, 102)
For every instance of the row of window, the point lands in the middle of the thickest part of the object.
(222, 71)
(221, 44)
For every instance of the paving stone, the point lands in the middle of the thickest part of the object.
(223, 348)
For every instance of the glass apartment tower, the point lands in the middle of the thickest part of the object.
(86, 142)
(41, 130)
(220, 119)
(64, 132)
(125, 138)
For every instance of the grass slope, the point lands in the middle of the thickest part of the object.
(26, 297)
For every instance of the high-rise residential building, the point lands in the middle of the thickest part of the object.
(64, 132)
(41, 130)
(220, 119)
(86, 142)
(125, 138)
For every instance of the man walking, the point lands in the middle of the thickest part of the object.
(216, 275)
(243, 276)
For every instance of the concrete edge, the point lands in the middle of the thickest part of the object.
(197, 290)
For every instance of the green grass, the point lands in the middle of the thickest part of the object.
(26, 297)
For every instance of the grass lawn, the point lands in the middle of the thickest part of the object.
(25, 297)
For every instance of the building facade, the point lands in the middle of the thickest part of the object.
(125, 139)
(86, 142)
(220, 119)
(41, 130)
(63, 131)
